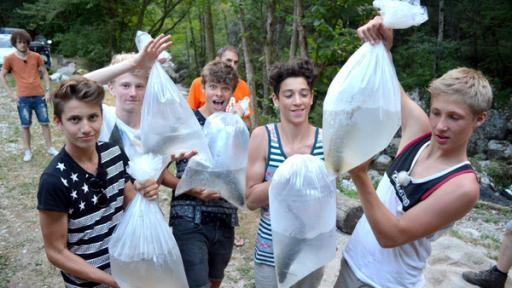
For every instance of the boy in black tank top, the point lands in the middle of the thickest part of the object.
(430, 179)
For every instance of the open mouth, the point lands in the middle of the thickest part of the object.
(218, 104)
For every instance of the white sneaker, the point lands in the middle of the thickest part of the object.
(52, 151)
(27, 156)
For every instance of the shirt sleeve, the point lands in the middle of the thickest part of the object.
(194, 94)
(40, 61)
(7, 63)
(52, 194)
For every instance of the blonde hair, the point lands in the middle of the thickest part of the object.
(118, 58)
(465, 84)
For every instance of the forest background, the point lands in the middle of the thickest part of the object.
(471, 33)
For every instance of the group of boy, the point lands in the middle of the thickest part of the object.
(443, 186)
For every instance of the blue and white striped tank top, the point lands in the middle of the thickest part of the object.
(264, 252)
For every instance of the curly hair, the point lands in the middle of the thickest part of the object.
(77, 88)
(294, 68)
(218, 71)
(20, 35)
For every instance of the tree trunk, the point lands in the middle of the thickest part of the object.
(348, 212)
(293, 40)
(268, 48)
(193, 42)
(249, 69)
(210, 38)
(303, 50)
(440, 35)
(142, 12)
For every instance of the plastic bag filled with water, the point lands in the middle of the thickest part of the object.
(143, 251)
(302, 200)
(228, 141)
(361, 111)
(168, 125)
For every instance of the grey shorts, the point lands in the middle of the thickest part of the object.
(508, 228)
(265, 277)
(347, 278)
(205, 250)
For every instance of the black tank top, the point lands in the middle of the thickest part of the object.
(411, 193)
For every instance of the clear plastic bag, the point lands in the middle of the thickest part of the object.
(228, 141)
(143, 251)
(361, 112)
(168, 125)
(302, 200)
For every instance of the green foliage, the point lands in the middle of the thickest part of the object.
(501, 175)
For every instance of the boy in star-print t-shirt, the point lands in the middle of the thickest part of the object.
(84, 190)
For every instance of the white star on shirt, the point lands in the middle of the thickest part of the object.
(64, 181)
(94, 199)
(71, 211)
(73, 194)
(82, 205)
(74, 177)
(85, 188)
(61, 166)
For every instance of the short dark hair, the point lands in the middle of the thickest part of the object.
(294, 68)
(223, 50)
(20, 35)
(218, 71)
(77, 88)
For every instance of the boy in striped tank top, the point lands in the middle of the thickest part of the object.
(429, 185)
(270, 145)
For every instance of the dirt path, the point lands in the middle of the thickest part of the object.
(23, 262)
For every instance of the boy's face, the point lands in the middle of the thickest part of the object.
(21, 45)
(294, 100)
(128, 89)
(452, 122)
(81, 123)
(217, 96)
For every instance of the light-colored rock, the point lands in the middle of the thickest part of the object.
(382, 162)
(499, 150)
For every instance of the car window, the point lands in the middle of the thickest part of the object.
(5, 42)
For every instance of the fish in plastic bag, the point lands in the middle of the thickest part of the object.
(361, 111)
(228, 142)
(143, 251)
(302, 202)
(168, 125)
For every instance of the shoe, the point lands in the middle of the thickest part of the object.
(486, 279)
(239, 242)
(52, 151)
(27, 156)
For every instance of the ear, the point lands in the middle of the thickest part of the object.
(58, 122)
(275, 100)
(480, 119)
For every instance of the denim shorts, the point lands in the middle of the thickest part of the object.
(205, 250)
(27, 104)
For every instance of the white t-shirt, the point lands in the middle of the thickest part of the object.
(130, 137)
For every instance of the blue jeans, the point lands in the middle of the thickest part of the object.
(205, 250)
(36, 103)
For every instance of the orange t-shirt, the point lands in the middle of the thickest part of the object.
(196, 98)
(25, 73)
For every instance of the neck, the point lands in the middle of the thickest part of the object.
(295, 133)
(22, 54)
(205, 111)
(450, 157)
(131, 118)
(87, 158)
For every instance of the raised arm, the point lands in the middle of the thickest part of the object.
(257, 189)
(142, 61)
(54, 226)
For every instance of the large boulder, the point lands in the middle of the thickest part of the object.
(495, 127)
(499, 150)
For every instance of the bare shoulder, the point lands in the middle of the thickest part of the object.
(258, 144)
(464, 187)
(259, 133)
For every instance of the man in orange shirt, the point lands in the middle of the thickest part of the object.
(196, 97)
(25, 67)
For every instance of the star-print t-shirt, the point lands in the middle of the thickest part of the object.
(64, 187)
